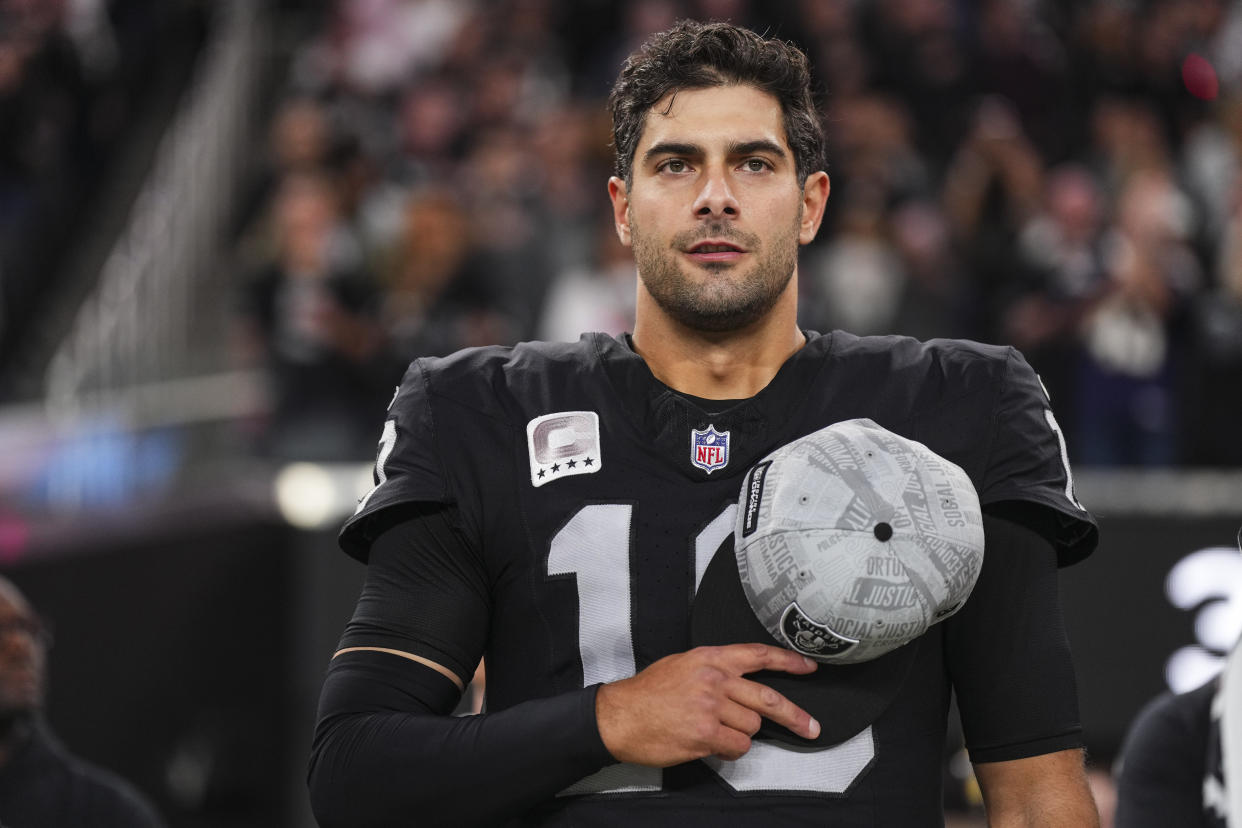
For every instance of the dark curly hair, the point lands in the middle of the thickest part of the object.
(693, 55)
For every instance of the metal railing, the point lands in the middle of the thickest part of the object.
(155, 315)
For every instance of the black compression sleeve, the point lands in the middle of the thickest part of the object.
(1008, 653)
(385, 754)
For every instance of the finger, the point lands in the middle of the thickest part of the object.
(767, 702)
(750, 658)
(730, 744)
(739, 717)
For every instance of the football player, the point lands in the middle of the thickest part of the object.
(552, 506)
(1179, 761)
(1171, 770)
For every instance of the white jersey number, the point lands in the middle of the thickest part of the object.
(595, 547)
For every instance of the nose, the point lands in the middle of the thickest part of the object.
(716, 198)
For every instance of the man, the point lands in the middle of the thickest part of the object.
(41, 782)
(1170, 771)
(1179, 762)
(544, 505)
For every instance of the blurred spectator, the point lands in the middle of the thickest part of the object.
(431, 123)
(1126, 139)
(1211, 163)
(599, 297)
(919, 56)
(1229, 264)
(832, 41)
(300, 139)
(377, 44)
(873, 147)
(992, 189)
(1127, 404)
(1226, 43)
(635, 21)
(301, 136)
(935, 289)
(1059, 273)
(1021, 61)
(1169, 32)
(433, 304)
(1102, 51)
(989, 161)
(570, 145)
(311, 310)
(41, 782)
(1063, 240)
(856, 281)
(1216, 395)
(512, 236)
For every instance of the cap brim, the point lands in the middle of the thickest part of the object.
(844, 698)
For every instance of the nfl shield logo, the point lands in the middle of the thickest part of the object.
(709, 448)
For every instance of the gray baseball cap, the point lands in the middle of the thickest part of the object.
(849, 544)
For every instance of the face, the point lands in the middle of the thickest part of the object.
(23, 655)
(714, 212)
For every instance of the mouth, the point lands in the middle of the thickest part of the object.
(715, 251)
(22, 681)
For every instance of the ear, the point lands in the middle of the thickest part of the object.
(814, 200)
(620, 208)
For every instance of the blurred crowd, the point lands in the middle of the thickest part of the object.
(1060, 176)
(74, 76)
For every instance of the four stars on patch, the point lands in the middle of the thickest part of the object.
(571, 464)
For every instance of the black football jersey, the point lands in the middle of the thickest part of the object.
(596, 497)
(1171, 768)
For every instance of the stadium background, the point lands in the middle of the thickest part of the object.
(226, 226)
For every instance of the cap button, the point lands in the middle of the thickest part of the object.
(883, 531)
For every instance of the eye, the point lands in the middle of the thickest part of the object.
(756, 165)
(674, 165)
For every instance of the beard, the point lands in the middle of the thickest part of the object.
(729, 301)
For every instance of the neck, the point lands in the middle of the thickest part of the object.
(730, 365)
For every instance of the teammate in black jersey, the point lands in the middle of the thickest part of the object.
(1179, 765)
(553, 506)
(1170, 771)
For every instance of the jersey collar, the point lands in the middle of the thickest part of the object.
(665, 418)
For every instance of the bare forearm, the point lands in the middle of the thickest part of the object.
(1060, 814)
(1049, 791)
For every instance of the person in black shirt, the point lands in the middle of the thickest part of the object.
(1169, 772)
(1178, 764)
(553, 506)
(42, 784)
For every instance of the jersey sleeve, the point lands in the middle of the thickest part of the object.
(1028, 460)
(408, 466)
